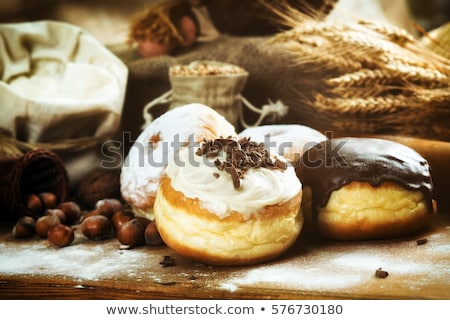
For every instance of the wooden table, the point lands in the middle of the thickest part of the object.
(312, 269)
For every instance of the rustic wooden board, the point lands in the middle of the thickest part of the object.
(313, 269)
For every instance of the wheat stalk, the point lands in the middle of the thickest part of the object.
(364, 106)
(308, 55)
(361, 92)
(366, 78)
(434, 97)
(373, 77)
(394, 73)
(392, 33)
(428, 77)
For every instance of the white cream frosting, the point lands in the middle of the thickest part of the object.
(198, 177)
(146, 163)
(289, 140)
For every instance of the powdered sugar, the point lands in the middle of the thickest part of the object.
(350, 268)
(78, 261)
(299, 277)
(311, 267)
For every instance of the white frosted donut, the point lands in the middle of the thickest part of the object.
(147, 159)
(288, 140)
(203, 215)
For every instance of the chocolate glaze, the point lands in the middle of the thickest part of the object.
(334, 163)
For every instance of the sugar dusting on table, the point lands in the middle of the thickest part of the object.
(345, 266)
(311, 265)
(78, 261)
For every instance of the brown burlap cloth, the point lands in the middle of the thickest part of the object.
(270, 70)
(278, 72)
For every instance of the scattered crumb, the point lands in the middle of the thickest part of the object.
(421, 241)
(167, 262)
(380, 273)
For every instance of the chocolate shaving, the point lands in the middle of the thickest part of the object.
(241, 155)
(421, 241)
(380, 273)
(280, 164)
(167, 262)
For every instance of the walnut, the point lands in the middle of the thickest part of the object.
(97, 185)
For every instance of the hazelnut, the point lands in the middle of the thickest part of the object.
(24, 227)
(57, 212)
(60, 236)
(143, 221)
(34, 203)
(45, 223)
(49, 200)
(108, 207)
(72, 211)
(131, 233)
(91, 213)
(152, 236)
(120, 217)
(97, 227)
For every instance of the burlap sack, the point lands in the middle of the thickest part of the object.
(266, 82)
(59, 85)
(215, 84)
(216, 89)
(278, 73)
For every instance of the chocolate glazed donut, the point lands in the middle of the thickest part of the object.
(334, 164)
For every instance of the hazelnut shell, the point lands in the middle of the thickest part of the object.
(49, 200)
(24, 227)
(108, 207)
(144, 221)
(60, 236)
(131, 233)
(45, 223)
(91, 213)
(97, 227)
(34, 204)
(152, 236)
(120, 217)
(72, 211)
(57, 212)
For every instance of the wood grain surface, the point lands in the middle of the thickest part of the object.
(313, 268)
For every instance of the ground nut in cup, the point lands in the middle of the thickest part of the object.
(215, 84)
